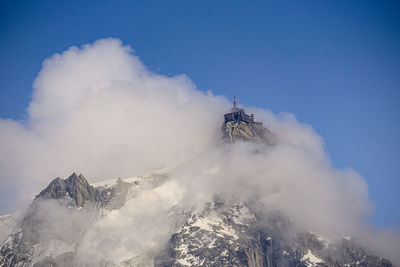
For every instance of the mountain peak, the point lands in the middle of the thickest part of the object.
(75, 187)
(240, 126)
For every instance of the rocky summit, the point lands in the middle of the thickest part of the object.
(238, 126)
(245, 131)
(139, 221)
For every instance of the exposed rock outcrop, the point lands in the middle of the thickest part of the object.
(247, 131)
(238, 126)
(75, 187)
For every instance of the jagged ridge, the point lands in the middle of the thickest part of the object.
(73, 192)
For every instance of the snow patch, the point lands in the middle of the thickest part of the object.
(213, 223)
(187, 259)
(310, 259)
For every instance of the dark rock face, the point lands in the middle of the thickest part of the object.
(79, 192)
(75, 187)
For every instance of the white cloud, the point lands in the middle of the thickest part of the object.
(97, 110)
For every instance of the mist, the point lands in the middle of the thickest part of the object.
(97, 110)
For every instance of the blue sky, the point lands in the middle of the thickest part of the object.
(334, 64)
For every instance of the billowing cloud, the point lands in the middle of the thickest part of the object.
(99, 111)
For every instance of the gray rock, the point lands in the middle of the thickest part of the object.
(247, 131)
(75, 187)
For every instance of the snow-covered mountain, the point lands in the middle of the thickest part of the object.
(143, 221)
(220, 234)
